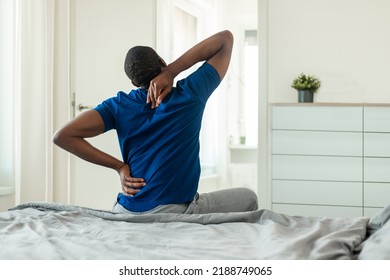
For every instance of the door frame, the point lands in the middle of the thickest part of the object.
(62, 101)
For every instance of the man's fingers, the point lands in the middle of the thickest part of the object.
(156, 97)
(163, 94)
(130, 191)
(148, 98)
(134, 182)
(130, 185)
(133, 186)
(151, 98)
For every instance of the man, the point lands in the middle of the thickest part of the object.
(158, 129)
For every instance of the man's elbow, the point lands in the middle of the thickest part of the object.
(228, 37)
(59, 138)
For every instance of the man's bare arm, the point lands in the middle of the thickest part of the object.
(72, 139)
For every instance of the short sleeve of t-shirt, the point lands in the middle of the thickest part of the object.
(203, 81)
(105, 110)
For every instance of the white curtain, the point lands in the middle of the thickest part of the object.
(36, 99)
(27, 97)
(7, 93)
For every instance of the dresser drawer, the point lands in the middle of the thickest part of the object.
(377, 119)
(318, 192)
(317, 168)
(377, 144)
(376, 169)
(294, 142)
(317, 210)
(376, 194)
(317, 118)
(371, 211)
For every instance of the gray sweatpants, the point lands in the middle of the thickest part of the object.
(222, 201)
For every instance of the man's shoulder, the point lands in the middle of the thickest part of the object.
(137, 94)
(200, 83)
(205, 71)
(208, 69)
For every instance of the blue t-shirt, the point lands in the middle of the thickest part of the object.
(161, 145)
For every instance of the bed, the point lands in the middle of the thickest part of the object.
(68, 232)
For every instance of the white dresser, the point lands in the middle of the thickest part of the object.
(330, 159)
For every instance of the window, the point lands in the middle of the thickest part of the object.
(7, 90)
(185, 35)
(248, 129)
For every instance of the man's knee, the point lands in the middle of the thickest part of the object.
(255, 204)
(250, 198)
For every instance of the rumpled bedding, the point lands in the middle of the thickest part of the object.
(50, 231)
(377, 245)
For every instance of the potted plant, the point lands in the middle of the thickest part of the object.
(306, 85)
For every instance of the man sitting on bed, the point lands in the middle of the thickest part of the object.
(158, 129)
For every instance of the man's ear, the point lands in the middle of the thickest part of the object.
(162, 62)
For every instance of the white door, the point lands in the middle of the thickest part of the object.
(102, 33)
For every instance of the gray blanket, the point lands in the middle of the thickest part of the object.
(55, 231)
(377, 245)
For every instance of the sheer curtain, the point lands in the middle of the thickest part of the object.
(26, 97)
(7, 96)
(34, 164)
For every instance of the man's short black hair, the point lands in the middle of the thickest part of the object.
(142, 64)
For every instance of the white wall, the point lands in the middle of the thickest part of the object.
(345, 43)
